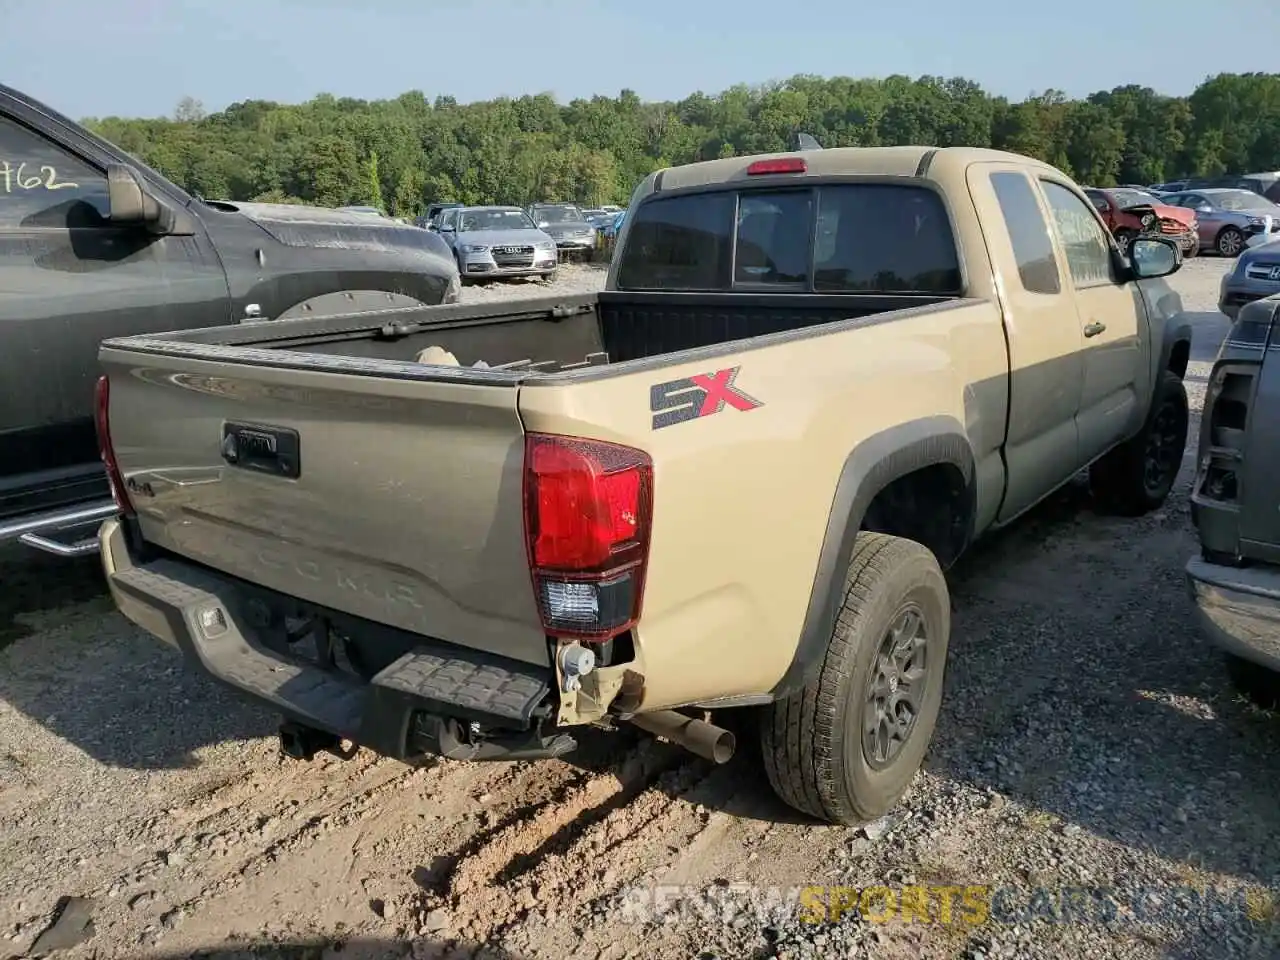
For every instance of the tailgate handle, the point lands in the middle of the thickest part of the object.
(262, 449)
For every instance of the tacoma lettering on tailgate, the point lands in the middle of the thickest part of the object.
(697, 396)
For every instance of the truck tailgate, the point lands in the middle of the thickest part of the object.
(393, 499)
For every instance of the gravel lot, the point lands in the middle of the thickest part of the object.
(1089, 738)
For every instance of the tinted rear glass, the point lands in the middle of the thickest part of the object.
(842, 238)
(680, 243)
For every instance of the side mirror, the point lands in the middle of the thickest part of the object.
(132, 204)
(1153, 257)
(1204, 208)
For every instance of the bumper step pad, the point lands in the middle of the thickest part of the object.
(202, 614)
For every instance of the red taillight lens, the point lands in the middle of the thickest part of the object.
(780, 165)
(588, 508)
(102, 421)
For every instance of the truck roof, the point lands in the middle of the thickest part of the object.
(905, 161)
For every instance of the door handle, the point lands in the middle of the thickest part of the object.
(1095, 328)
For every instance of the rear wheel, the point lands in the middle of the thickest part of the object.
(1136, 477)
(1255, 681)
(1230, 242)
(845, 747)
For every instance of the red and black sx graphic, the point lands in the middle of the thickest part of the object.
(698, 396)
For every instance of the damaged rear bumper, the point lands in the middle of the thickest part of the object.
(437, 699)
(1238, 609)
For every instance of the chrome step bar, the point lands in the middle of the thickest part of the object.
(38, 530)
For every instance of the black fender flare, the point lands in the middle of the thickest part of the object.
(871, 466)
(1177, 333)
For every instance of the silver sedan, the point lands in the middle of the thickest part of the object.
(497, 242)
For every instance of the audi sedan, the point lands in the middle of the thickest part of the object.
(497, 242)
(1256, 275)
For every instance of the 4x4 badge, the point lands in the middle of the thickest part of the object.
(700, 395)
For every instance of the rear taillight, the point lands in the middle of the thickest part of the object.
(588, 506)
(1225, 420)
(102, 421)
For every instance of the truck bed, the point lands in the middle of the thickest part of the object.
(543, 335)
(317, 459)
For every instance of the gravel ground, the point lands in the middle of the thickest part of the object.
(1089, 739)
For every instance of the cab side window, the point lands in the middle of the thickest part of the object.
(1084, 239)
(42, 185)
(1032, 248)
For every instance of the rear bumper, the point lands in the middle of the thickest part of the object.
(1238, 609)
(436, 699)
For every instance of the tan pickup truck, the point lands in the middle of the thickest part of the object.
(731, 480)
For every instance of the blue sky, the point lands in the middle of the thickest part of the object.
(140, 58)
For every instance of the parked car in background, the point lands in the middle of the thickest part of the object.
(1256, 275)
(574, 235)
(433, 212)
(113, 248)
(1129, 213)
(1230, 220)
(614, 225)
(497, 242)
(609, 235)
(1234, 578)
(1265, 183)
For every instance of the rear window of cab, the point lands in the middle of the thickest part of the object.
(859, 238)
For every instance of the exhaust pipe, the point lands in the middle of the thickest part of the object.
(697, 736)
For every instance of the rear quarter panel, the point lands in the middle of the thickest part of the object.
(742, 497)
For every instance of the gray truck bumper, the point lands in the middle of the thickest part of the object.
(424, 703)
(1238, 609)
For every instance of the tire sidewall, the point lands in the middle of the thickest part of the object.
(918, 579)
(1172, 393)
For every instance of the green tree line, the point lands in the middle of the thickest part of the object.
(401, 154)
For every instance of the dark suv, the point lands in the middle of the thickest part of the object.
(94, 244)
(1235, 504)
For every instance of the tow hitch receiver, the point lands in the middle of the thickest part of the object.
(303, 743)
